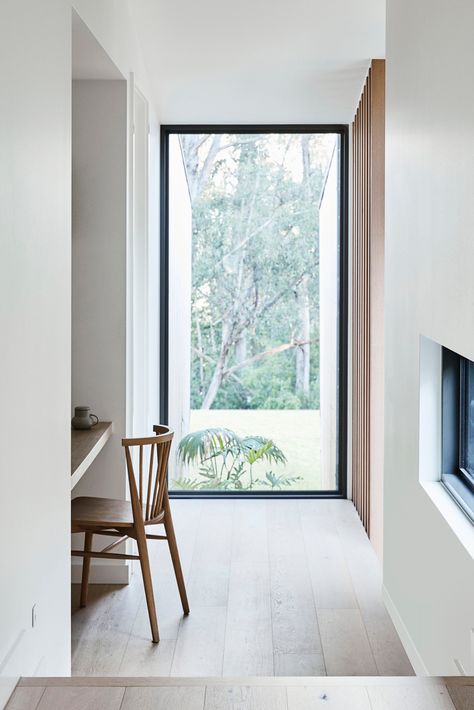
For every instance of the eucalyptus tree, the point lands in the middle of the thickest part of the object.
(255, 296)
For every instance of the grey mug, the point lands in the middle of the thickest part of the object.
(83, 419)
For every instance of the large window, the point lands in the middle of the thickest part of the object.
(458, 429)
(254, 308)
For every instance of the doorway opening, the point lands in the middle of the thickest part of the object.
(253, 355)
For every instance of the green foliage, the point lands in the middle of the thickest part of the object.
(226, 461)
(271, 384)
(278, 482)
(205, 443)
(255, 262)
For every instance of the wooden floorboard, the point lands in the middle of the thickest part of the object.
(299, 664)
(276, 587)
(462, 696)
(415, 697)
(58, 698)
(248, 636)
(270, 681)
(248, 639)
(208, 583)
(335, 698)
(345, 644)
(184, 698)
(26, 698)
(330, 577)
(245, 698)
(294, 617)
(270, 693)
(199, 649)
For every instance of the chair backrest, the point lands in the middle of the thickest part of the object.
(147, 463)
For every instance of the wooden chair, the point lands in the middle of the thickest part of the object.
(148, 505)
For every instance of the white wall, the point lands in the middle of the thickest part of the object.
(180, 250)
(428, 571)
(112, 25)
(35, 298)
(153, 279)
(35, 319)
(139, 390)
(328, 320)
(99, 283)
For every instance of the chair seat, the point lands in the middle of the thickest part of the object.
(103, 512)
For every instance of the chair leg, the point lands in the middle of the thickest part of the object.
(147, 582)
(169, 528)
(86, 568)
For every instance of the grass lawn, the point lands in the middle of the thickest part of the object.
(295, 431)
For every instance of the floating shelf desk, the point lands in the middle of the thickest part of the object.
(86, 444)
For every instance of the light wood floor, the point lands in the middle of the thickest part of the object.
(244, 694)
(276, 588)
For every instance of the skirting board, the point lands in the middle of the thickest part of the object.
(407, 641)
(102, 573)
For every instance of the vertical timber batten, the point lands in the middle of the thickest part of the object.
(367, 235)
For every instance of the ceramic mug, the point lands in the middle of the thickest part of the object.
(83, 419)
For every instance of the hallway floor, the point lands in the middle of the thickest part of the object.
(276, 588)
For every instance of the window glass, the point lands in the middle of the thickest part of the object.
(458, 430)
(468, 418)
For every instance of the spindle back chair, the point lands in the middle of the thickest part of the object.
(148, 484)
(147, 462)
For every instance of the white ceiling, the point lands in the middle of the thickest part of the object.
(258, 61)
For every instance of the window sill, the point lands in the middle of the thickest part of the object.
(456, 518)
(461, 494)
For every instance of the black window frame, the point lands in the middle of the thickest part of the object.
(342, 130)
(457, 479)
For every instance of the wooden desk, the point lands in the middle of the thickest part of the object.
(85, 445)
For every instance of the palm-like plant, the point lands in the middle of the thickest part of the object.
(226, 460)
(205, 443)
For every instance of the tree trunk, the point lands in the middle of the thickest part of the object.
(234, 321)
(216, 381)
(303, 352)
(201, 364)
(241, 348)
(303, 334)
(197, 176)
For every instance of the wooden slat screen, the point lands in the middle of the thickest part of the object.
(367, 296)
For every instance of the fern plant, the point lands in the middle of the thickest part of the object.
(225, 461)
